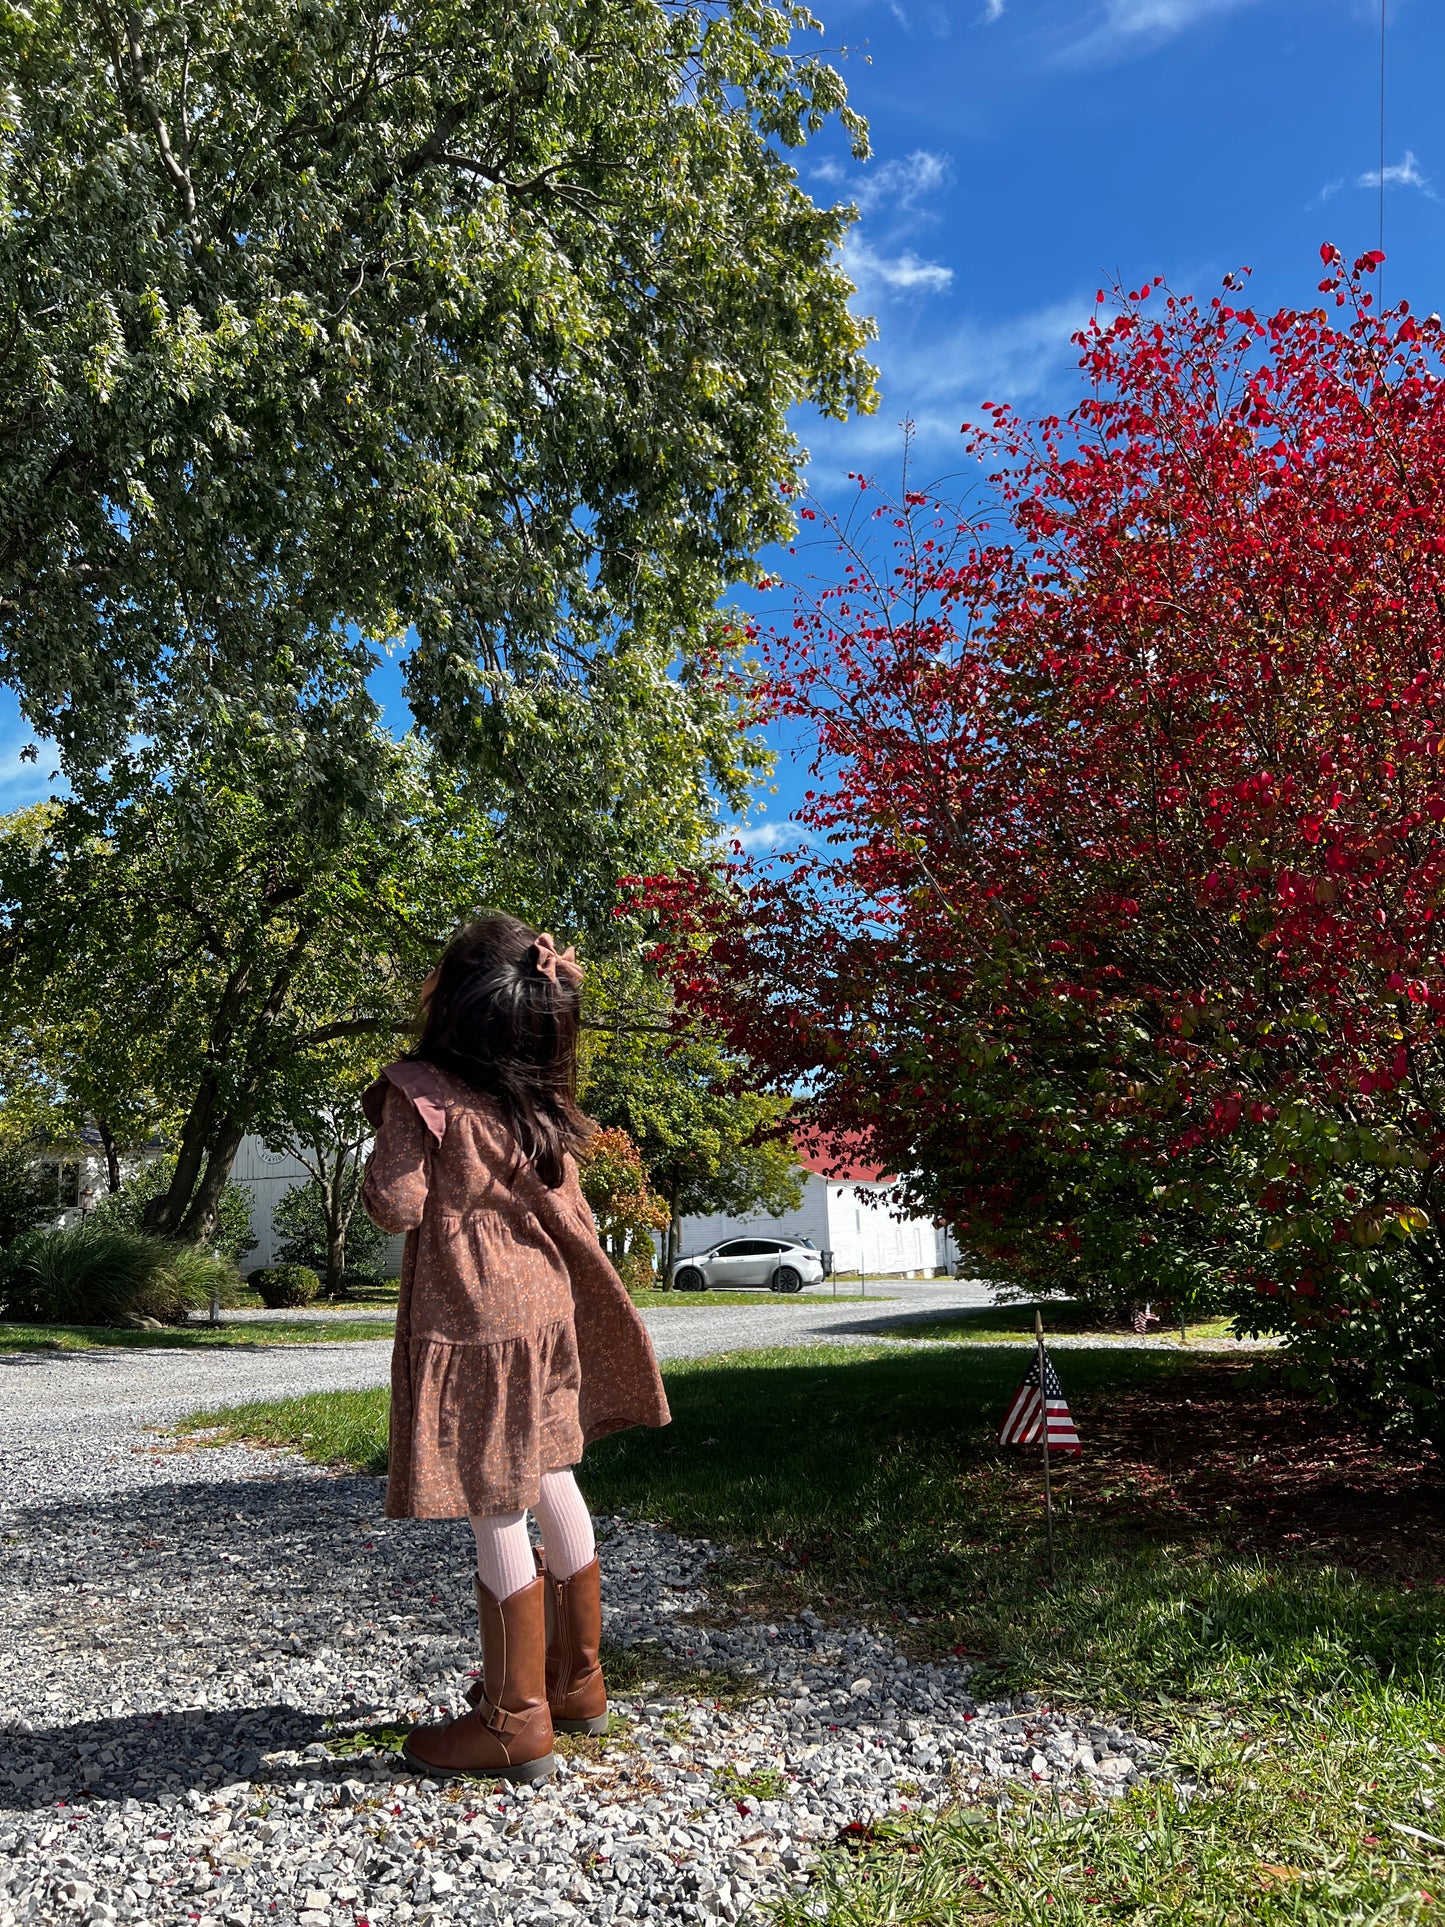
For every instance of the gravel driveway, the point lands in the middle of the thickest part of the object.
(196, 1640)
(107, 1392)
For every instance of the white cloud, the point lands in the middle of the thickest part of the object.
(1124, 27)
(896, 193)
(1405, 173)
(903, 184)
(768, 838)
(941, 379)
(992, 10)
(906, 273)
(934, 18)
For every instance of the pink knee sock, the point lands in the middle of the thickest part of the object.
(566, 1524)
(504, 1553)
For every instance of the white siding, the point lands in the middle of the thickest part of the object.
(835, 1217)
(810, 1220)
(268, 1176)
(866, 1236)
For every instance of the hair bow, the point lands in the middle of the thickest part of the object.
(561, 966)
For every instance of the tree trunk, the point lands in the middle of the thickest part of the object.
(339, 1181)
(199, 1221)
(335, 1261)
(188, 1210)
(338, 1223)
(112, 1155)
(163, 1216)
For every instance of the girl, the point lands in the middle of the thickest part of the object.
(516, 1342)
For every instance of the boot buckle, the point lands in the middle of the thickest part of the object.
(497, 1719)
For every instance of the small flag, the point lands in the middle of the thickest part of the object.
(1026, 1416)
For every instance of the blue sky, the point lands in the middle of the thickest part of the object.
(1028, 151)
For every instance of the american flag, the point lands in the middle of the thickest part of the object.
(1025, 1420)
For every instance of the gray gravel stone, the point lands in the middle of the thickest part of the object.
(198, 1640)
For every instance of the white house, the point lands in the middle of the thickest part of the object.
(266, 1176)
(845, 1209)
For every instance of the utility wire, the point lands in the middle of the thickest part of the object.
(1382, 136)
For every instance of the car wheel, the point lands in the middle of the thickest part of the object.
(786, 1279)
(689, 1279)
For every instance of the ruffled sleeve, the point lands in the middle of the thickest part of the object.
(404, 1106)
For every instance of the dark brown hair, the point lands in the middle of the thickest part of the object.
(507, 1028)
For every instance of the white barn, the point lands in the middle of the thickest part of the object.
(845, 1209)
(267, 1176)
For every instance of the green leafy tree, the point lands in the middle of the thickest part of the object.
(125, 1209)
(707, 1142)
(225, 948)
(322, 1228)
(283, 890)
(326, 324)
(60, 1053)
(27, 1191)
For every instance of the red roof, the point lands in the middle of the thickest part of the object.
(839, 1157)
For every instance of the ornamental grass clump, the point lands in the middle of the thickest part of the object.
(94, 1275)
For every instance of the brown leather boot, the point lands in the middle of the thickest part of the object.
(508, 1735)
(575, 1692)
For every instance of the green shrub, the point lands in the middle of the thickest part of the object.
(284, 1287)
(637, 1270)
(98, 1275)
(27, 1193)
(301, 1223)
(123, 1210)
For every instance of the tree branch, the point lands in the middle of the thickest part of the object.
(352, 1027)
(179, 176)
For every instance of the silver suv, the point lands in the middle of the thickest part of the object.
(782, 1264)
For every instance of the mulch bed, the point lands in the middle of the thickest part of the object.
(1263, 1468)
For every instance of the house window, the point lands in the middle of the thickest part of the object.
(67, 1185)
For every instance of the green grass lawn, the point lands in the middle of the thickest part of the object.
(1238, 1571)
(1008, 1324)
(89, 1338)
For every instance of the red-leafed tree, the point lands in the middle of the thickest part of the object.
(1119, 924)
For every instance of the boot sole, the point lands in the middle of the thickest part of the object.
(525, 1773)
(597, 1725)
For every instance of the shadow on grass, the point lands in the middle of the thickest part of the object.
(871, 1484)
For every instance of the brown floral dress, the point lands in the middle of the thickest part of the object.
(516, 1342)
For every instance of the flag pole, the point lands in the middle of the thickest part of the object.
(1044, 1418)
